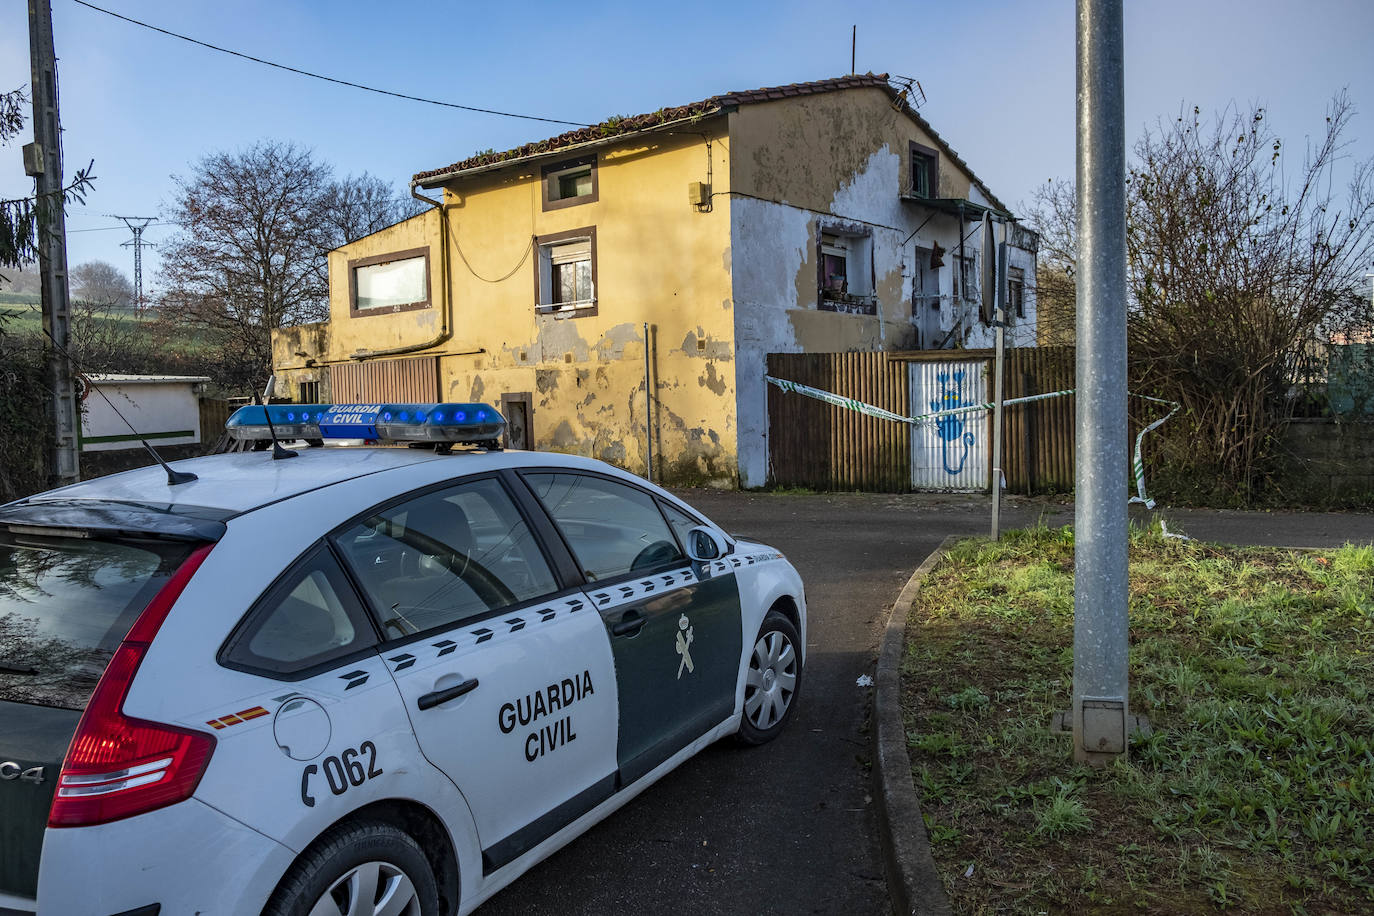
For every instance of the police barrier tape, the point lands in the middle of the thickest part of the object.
(1138, 465)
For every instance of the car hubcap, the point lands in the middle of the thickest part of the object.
(371, 889)
(771, 681)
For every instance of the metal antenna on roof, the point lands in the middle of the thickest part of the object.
(266, 401)
(853, 42)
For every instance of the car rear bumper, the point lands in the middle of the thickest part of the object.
(189, 858)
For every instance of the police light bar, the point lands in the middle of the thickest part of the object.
(438, 423)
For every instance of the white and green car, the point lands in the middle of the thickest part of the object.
(375, 680)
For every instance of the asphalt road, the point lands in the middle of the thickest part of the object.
(789, 827)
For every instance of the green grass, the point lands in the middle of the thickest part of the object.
(19, 319)
(1255, 791)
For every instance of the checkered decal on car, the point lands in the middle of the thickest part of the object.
(486, 631)
(602, 598)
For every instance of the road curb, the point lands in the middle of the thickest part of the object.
(913, 883)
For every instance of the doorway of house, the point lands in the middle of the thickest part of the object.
(925, 302)
(515, 407)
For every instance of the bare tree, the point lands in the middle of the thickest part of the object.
(102, 285)
(250, 256)
(244, 260)
(1239, 263)
(360, 205)
(1054, 212)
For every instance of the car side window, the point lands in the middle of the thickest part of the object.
(308, 618)
(681, 521)
(446, 557)
(613, 529)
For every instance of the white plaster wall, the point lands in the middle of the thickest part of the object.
(871, 195)
(770, 241)
(768, 244)
(150, 407)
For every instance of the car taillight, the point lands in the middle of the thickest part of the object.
(118, 766)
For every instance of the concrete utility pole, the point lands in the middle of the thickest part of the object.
(45, 165)
(136, 225)
(1101, 722)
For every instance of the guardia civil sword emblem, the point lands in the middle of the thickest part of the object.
(684, 641)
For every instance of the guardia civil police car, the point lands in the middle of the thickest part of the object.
(372, 680)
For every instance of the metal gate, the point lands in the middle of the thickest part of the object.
(950, 453)
(383, 381)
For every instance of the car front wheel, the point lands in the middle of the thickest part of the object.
(360, 869)
(772, 683)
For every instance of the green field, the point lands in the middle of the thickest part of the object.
(1252, 795)
(27, 318)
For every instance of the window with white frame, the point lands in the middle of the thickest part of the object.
(846, 270)
(566, 279)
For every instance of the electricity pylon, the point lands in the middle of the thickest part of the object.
(136, 225)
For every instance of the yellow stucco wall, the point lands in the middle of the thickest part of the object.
(805, 149)
(659, 260)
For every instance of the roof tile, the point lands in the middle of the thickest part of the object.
(614, 126)
(713, 105)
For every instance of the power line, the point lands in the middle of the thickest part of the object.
(328, 79)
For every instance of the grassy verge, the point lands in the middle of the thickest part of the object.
(1255, 794)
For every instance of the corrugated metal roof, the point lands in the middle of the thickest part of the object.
(122, 379)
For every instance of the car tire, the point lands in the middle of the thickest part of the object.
(346, 862)
(772, 682)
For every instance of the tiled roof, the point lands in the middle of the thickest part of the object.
(626, 125)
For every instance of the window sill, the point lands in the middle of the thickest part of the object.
(852, 305)
(563, 308)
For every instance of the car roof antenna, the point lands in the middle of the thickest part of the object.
(173, 477)
(266, 401)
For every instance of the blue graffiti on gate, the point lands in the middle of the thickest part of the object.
(951, 430)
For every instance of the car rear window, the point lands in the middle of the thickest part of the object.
(65, 604)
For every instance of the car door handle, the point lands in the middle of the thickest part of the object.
(629, 625)
(431, 700)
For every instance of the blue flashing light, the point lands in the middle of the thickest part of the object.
(438, 423)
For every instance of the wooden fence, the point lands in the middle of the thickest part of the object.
(1038, 438)
(813, 444)
(214, 413)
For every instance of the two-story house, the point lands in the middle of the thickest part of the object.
(615, 290)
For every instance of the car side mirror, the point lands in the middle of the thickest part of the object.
(704, 544)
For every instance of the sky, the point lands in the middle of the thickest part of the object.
(998, 78)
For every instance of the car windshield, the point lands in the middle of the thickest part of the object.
(65, 604)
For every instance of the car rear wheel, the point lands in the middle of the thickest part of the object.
(359, 869)
(773, 681)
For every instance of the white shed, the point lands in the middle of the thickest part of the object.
(164, 409)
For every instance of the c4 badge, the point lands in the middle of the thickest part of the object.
(684, 640)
